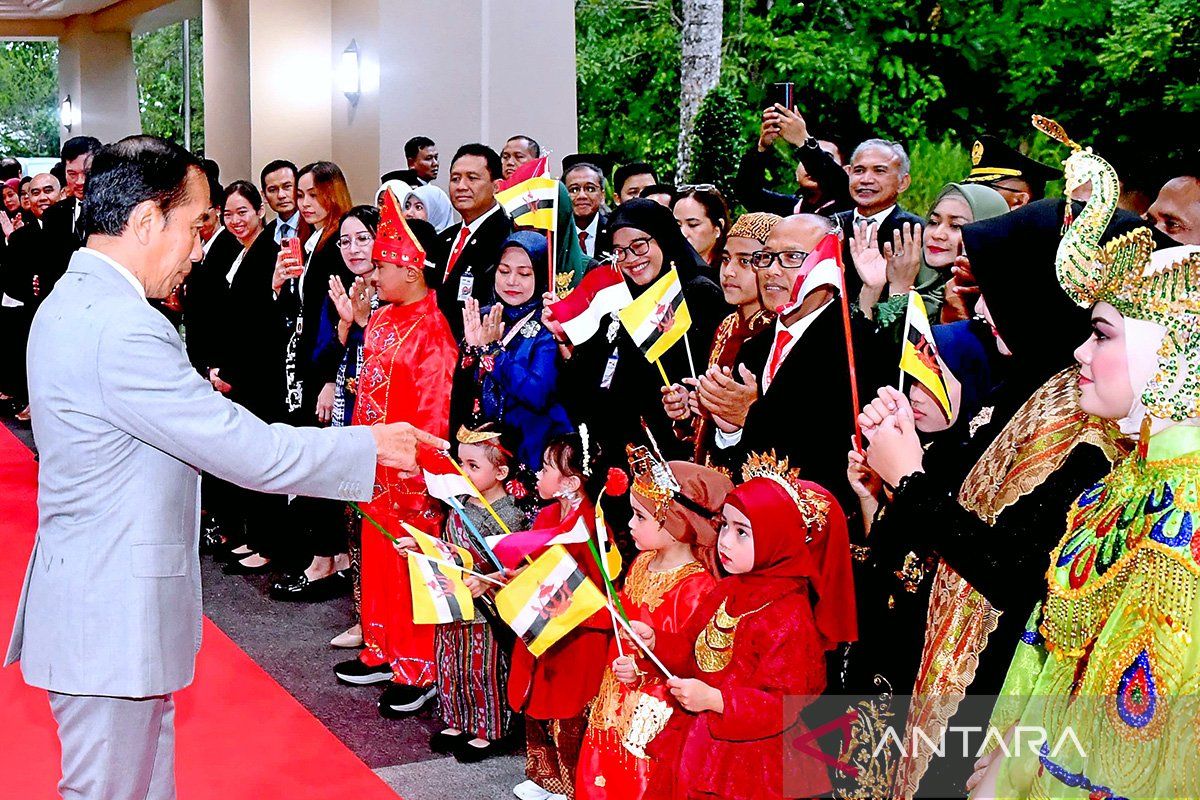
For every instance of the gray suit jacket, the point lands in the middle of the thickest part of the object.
(111, 602)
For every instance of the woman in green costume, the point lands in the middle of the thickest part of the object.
(1109, 666)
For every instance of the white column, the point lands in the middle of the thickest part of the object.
(227, 121)
(96, 69)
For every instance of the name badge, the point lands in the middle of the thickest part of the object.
(465, 284)
(610, 369)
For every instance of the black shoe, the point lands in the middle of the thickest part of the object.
(444, 743)
(399, 700)
(301, 589)
(238, 568)
(356, 673)
(467, 753)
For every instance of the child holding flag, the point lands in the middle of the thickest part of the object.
(759, 637)
(554, 689)
(674, 506)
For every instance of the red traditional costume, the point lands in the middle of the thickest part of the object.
(759, 639)
(408, 366)
(553, 689)
(613, 763)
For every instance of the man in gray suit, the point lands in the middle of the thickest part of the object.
(109, 617)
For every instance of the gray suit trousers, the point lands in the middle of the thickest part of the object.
(116, 748)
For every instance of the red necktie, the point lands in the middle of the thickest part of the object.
(458, 246)
(782, 340)
(583, 241)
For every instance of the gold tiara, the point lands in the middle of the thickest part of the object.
(813, 506)
(483, 434)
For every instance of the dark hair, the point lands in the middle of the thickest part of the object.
(275, 166)
(59, 170)
(367, 215)
(416, 144)
(331, 188)
(216, 192)
(132, 171)
(530, 143)
(26, 180)
(585, 165)
(715, 208)
(490, 156)
(9, 168)
(76, 146)
(247, 190)
(658, 188)
(627, 171)
(436, 251)
(565, 453)
(211, 168)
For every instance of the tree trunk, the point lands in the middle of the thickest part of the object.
(700, 69)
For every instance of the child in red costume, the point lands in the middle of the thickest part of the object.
(408, 365)
(759, 637)
(673, 509)
(553, 689)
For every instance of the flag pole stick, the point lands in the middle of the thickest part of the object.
(604, 569)
(458, 567)
(479, 494)
(691, 363)
(663, 372)
(638, 641)
(608, 587)
(457, 505)
(903, 339)
(550, 246)
(371, 520)
(850, 357)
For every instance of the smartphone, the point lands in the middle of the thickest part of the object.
(782, 93)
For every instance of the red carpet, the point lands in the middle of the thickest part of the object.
(240, 735)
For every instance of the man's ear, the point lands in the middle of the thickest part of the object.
(496, 187)
(144, 219)
(905, 182)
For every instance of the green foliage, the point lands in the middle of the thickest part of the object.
(717, 141)
(158, 58)
(29, 99)
(1119, 74)
(934, 164)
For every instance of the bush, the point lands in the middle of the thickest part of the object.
(934, 164)
(717, 142)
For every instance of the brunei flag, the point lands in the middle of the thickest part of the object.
(659, 318)
(548, 600)
(531, 203)
(919, 356)
(608, 548)
(438, 592)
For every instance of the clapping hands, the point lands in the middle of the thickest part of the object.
(480, 330)
(353, 306)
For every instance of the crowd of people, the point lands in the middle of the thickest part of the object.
(795, 524)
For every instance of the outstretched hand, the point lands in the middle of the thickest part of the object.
(397, 444)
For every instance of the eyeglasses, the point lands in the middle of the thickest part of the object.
(360, 239)
(583, 188)
(788, 259)
(695, 187)
(638, 247)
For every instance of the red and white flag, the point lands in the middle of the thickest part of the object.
(537, 168)
(822, 267)
(601, 292)
(511, 548)
(442, 478)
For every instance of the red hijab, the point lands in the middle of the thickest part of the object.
(785, 560)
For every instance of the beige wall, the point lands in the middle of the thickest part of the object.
(227, 87)
(96, 70)
(355, 127)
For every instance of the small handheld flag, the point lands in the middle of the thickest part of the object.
(511, 548)
(601, 292)
(548, 600)
(919, 356)
(443, 479)
(531, 203)
(659, 318)
(439, 594)
(537, 168)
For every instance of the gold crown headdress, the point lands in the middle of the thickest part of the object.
(813, 506)
(1118, 273)
(652, 478)
(483, 433)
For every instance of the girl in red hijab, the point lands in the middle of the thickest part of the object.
(753, 654)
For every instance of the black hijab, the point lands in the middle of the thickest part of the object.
(660, 224)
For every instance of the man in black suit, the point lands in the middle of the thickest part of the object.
(516, 151)
(793, 395)
(879, 174)
(63, 222)
(474, 244)
(585, 184)
(422, 156)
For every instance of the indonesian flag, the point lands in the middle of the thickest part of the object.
(442, 478)
(512, 548)
(530, 203)
(601, 292)
(538, 168)
(822, 267)
(919, 355)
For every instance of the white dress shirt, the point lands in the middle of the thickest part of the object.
(124, 273)
(589, 243)
(876, 218)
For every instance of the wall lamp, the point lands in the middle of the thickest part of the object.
(67, 113)
(350, 73)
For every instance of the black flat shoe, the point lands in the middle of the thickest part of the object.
(399, 701)
(302, 590)
(212, 541)
(444, 743)
(467, 753)
(238, 568)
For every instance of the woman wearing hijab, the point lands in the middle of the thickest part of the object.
(674, 507)
(1110, 655)
(1030, 451)
(760, 636)
(614, 387)
(431, 204)
(508, 366)
(905, 266)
